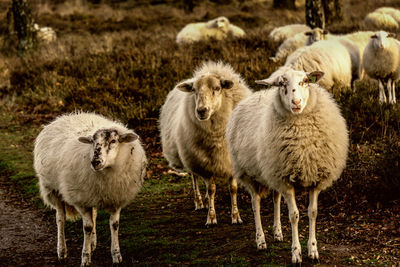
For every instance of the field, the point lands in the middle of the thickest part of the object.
(119, 58)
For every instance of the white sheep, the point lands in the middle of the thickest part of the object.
(192, 126)
(218, 29)
(86, 162)
(290, 136)
(382, 62)
(379, 20)
(45, 34)
(395, 13)
(280, 34)
(340, 60)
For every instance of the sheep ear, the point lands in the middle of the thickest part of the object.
(313, 77)
(85, 140)
(268, 82)
(374, 36)
(226, 84)
(186, 86)
(393, 35)
(128, 137)
(308, 33)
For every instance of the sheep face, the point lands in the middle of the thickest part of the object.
(106, 144)
(221, 23)
(315, 35)
(208, 91)
(293, 88)
(380, 39)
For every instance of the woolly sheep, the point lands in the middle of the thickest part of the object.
(340, 59)
(379, 20)
(360, 39)
(382, 62)
(45, 34)
(218, 28)
(86, 162)
(395, 13)
(290, 136)
(192, 126)
(291, 44)
(280, 34)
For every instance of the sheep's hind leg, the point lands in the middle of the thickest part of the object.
(394, 91)
(211, 189)
(312, 215)
(87, 235)
(94, 235)
(277, 228)
(289, 196)
(114, 227)
(382, 95)
(233, 187)
(198, 202)
(260, 237)
(60, 220)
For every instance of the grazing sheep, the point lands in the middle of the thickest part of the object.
(86, 162)
(379, 20)
(382, 62)
(218, 28)
(192, 125)
(280, 34)
(288, 137)
(395, 13)
(340, 59)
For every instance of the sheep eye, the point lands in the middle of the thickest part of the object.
(112, 141)
(217, 88)
(294, 90)
(301, 83)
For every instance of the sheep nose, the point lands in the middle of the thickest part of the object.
(296, 102)
(202, 111)
(95, 163)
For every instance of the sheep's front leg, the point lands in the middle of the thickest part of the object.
(87, 235)
(382, 95)
(260, 238)
(289, 196)
(394, 91)
(198, 202)
(312, 216)
(94, 235)
(277, 228)
(60, 220)
(235, 211)
(389, 91)
(114, 226)
(211, 189)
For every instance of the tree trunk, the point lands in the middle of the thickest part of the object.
(188, 6)
(315, 14)
(23, 25)
(332, 10)
(288, 4)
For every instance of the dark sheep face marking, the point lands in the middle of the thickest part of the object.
(106, 144)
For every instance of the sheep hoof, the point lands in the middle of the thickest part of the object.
(278, 236)
(62, 254)
(198, 206)
(236, 219)
(262, 246)
(296, 256)
(85, 259)
(117, 258)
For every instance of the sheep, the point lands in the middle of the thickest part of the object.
(379, 20)
(288, 137)
(45, 34)
(382, 62)
(86, 162)
(340, 59)
(280, 34)
(192, 129)
(218, 28)
(393, 12)
(299, 40)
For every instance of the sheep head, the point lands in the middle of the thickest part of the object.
(293, 87)
(316, 35)
(221, 23)
(106, 144)
(380, 40)
(208, 90)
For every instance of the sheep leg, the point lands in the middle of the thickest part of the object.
(382, 95)
(60, 220)
(393, 92)
(260, 237)
(312, 216)
(289, 196)
(233, 187)
(277, 228)
(389, 90)
(198, 202)
(87, 235)
(94, 235)
(211, 189)
(114, 227)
